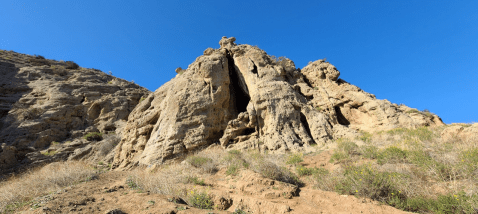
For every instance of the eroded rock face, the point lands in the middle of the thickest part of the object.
(241, 98)
(348, 105)
(44, 101)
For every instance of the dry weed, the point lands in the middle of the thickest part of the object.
(411, 169)
(52, 177)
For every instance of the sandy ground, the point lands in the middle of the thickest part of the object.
(247, 191)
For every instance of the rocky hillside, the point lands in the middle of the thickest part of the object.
(241, 98)
(48, 106)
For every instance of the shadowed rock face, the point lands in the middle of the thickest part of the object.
(240, 97)
(42, 101)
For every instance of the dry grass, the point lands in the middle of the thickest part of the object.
(411, 169)
(18, 190)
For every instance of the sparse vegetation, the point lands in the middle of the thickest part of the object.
(18, 191)
(411, 170)
(94, 136)
(50, 153)
(267, 168)
(195, 180)
(71, 65)
(200, 199)
(295, 158)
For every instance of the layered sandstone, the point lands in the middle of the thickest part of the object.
(240, 97)
(46, 101)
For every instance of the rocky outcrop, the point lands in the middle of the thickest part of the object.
(240, 97)
(460, 132)
(348, 105)
(44, 101)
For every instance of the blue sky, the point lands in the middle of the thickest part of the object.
(420, 53)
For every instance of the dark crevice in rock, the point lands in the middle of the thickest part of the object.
(239, 97)
(311, 97)
(248, 131)
(304, 122)
(307, 81)
(340, 117)
(254, 70)
(341, 81)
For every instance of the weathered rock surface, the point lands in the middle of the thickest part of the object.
(348, 105)
(44, 101)
(465, 132)
(240, 97)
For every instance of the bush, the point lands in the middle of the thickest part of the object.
(71, 65)
(200, 200)
(370, 152)
(39, 61)
(232, 169)
(195, 180)
(345, 150)
(198, 161)
(391, 155)
(303, 171)
(275, 172)
(93, 136)
(295, 158)
(365, 137)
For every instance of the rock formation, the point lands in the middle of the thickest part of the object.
(45, 102)
(240, 97)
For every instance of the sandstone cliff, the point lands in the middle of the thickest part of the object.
(47, 104)
(240, 97)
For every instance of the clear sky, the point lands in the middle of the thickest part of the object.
(420, 53)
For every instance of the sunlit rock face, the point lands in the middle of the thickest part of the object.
(46, 101)
(241, 98)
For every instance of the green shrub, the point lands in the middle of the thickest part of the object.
(200, 200)
(449, 203)
(93, 136)
(131, 183)
(348, 147)
(295, 158)
(366, 181)
(397, 131)
(391, 155)
(275, 172)
(427, 164)
(198, 161)
(370, 152)
(232, 169)
(365, 137)
(196, 180)
(338, 156)
(239, 211)
(303, 171)
(412, 111)
(51, 153)
(345, 150)
(469, 161)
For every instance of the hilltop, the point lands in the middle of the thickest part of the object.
(237, 131)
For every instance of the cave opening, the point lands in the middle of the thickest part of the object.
(238, 94)
(340, 117)
(304, 122)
